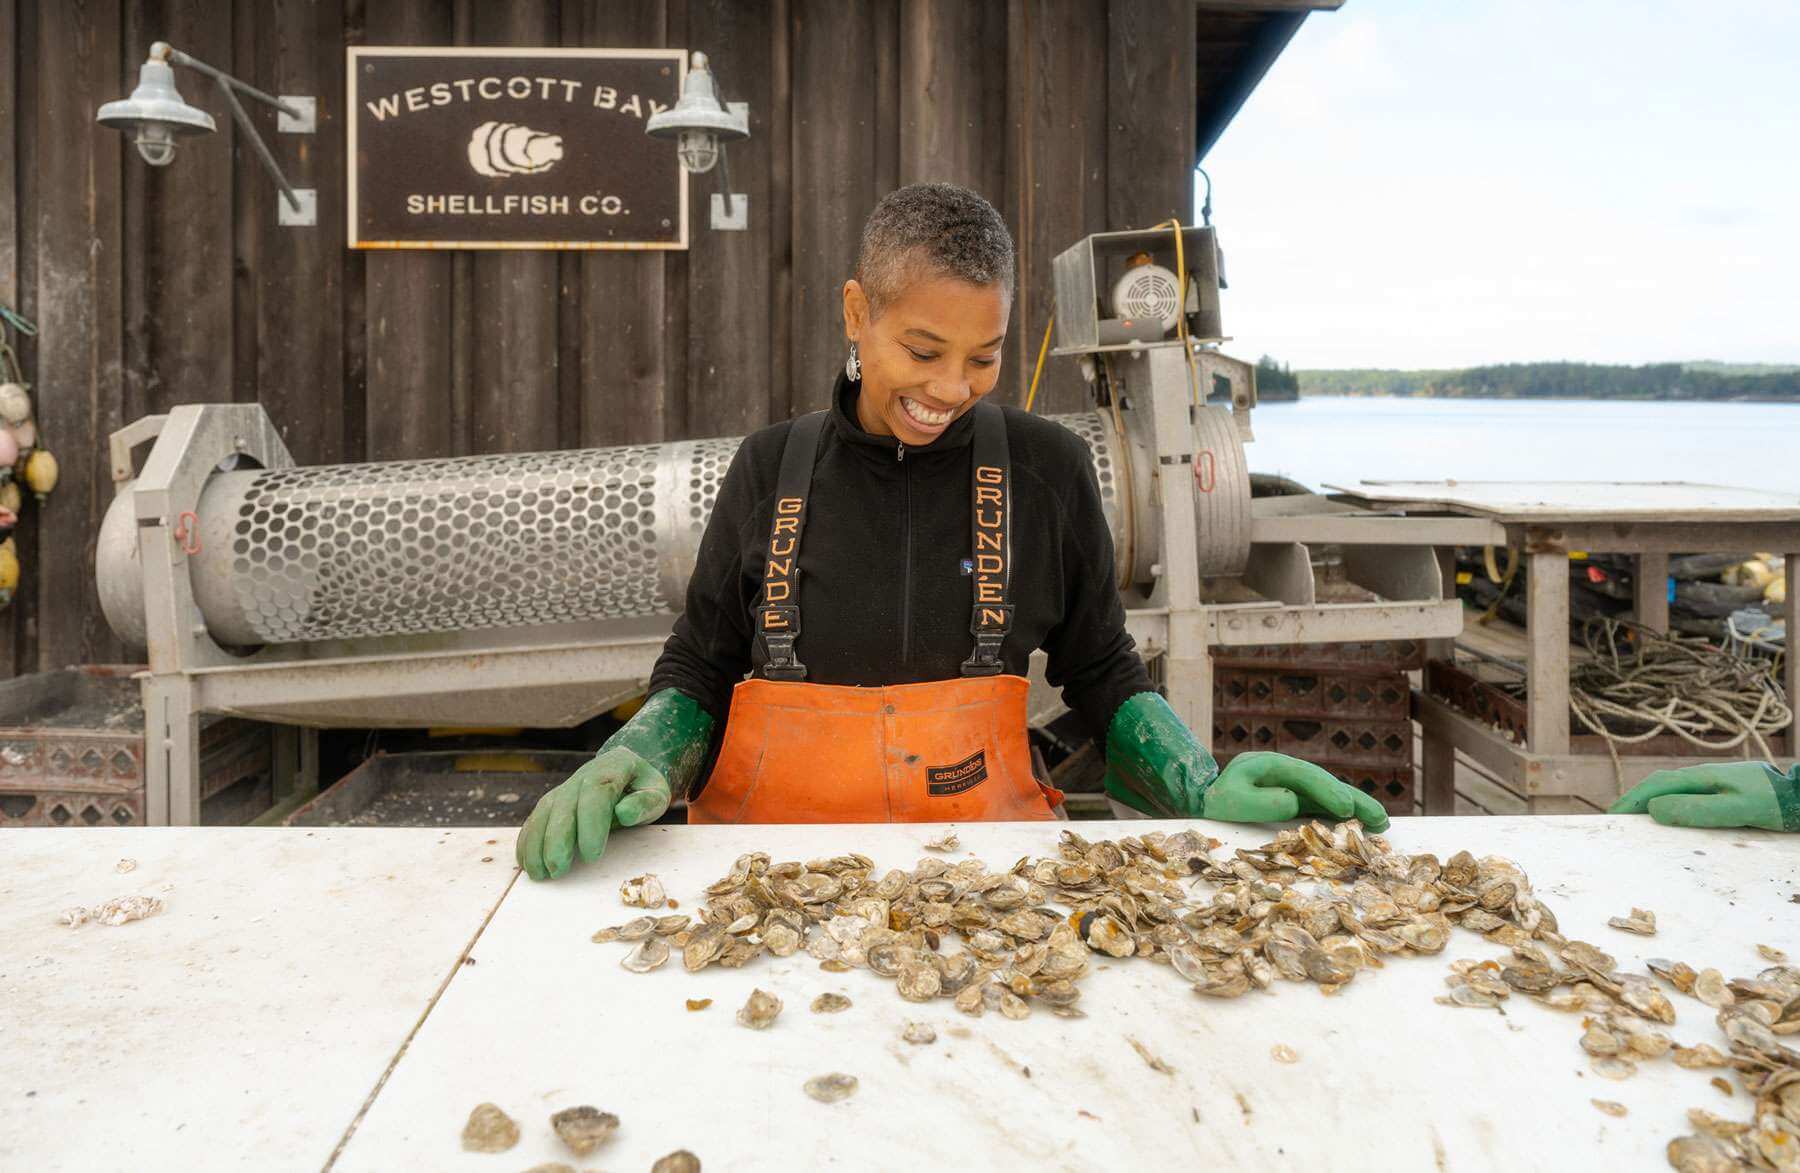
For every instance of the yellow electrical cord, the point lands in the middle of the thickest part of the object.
(1044, 349)
(1181, 282)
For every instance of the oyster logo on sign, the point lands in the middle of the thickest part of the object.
(503, 148)
(513, 148)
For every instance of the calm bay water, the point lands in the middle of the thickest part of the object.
(1342, 441)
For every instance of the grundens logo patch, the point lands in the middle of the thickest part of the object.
(966, 775)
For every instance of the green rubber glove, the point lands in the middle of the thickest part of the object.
(631, 781)
(1735, 794)
(1262, 787)
(1155, 764)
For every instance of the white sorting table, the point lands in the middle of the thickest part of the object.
(271, 1071)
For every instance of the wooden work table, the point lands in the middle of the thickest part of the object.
(344, 997)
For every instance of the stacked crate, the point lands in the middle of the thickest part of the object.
(72, 753)
(1346, 707)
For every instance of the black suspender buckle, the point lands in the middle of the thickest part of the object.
(989, 625)
(780, 626)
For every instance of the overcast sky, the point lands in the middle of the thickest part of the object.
(1441, 183)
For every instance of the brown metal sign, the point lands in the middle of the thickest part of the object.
(513, 148)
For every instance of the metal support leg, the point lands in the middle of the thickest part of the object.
(1650, 591)
(171, 753)
(1189, 673)
(296, 763)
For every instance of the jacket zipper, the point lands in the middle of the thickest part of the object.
(906, 564)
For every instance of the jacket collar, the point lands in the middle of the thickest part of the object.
(843, 418)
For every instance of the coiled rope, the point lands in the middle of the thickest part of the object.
(1710, 697)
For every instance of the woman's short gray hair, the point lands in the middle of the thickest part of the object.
(932, 230)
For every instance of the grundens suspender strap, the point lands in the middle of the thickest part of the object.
(990, 512)
(778, 611)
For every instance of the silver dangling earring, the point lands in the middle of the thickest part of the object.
(853, 365)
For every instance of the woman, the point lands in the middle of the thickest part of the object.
(882, 571)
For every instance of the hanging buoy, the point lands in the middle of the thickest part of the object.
(40, 472)
(25, 433)
(9, 571)
(10, 497)
(15, 403)
(9, 448)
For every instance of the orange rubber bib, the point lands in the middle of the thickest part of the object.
(939, 752)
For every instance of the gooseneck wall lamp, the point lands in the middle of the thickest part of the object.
(156, 116)
(701, 126)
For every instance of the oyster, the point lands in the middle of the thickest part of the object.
(679, 1161)
(489, 1130)
(646, 955)
(919, 1034)
(759, 1011)
(635, 930)
(698, 1003)
(781, 940)
(918, 982)
(945, 842)
(1610, 1107)
(829, 1089)
(1770, 953)
(702, 949)
(1702, 1055)
(643, 892)
(1710, 988)
(1612, 1067)
(830, 1004)
(1641, 921)
(582, 1128)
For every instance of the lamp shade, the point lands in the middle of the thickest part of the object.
(155, 102)
(698, 110)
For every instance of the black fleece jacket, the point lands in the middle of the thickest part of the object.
(884, 598)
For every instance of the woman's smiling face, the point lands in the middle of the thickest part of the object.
(933, 351)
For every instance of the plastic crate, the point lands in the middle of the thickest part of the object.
(72, 753)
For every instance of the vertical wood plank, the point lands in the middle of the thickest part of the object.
(943, 64)
(884, 21)
(515, 383)
(407, 293)
(77, 222)
(1057, 185)
(1790, 672)
(834, 181)
(623, 343)
(1150, 111)
(676, 272)
(1650, 590)
(11, 127)
(728, 363)
(300, 271)
(179, 244)
(1547, 659)
(781, 223)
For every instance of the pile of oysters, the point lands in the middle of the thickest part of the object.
(1318, 904)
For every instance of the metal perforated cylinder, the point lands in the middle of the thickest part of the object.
(412, 547)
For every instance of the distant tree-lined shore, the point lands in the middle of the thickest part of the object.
(1568, 380)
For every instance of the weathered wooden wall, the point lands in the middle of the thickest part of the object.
(153, 287)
